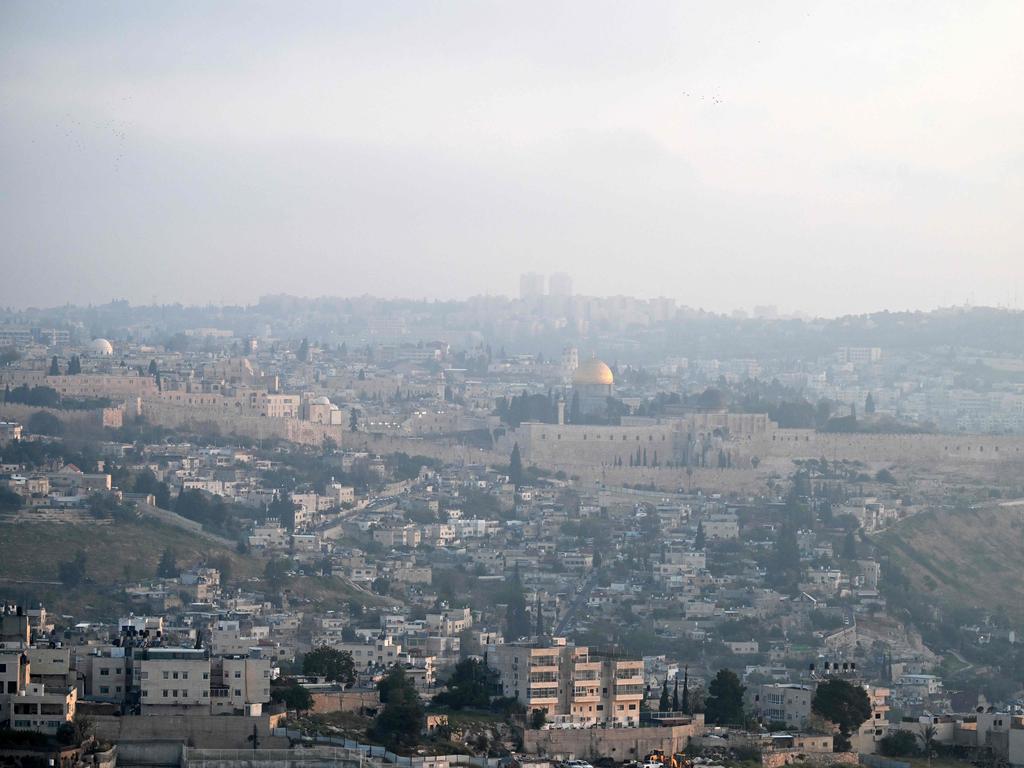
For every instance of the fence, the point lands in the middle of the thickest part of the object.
(315, 757)
(381, 753)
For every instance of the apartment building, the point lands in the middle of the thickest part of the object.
(31, 706)
(173, 680)
(782, 703)
(239, 685)
(381, 651)
(570, 682)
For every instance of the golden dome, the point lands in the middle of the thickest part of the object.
(593, 371)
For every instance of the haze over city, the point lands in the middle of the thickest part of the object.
(848, 157)
(591, 384)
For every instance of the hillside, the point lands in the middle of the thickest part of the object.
(30, 553)
(971, 558)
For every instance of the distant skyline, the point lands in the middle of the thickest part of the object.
(823, 158)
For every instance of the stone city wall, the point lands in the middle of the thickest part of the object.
(215, 421)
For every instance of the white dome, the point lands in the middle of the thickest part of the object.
(320, 401)
(101, 347)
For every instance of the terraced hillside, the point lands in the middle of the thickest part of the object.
(969, 557)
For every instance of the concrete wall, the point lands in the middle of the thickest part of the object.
(618, 743)
(211, 731)
(149, 753)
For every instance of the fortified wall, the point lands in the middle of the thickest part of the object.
(74, 419)
(216, 421)
(578, 447)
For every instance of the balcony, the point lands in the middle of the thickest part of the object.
(629, 690)
(542, 695)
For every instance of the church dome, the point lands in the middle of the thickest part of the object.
(320, 401)
(101, 347)
(593, 371)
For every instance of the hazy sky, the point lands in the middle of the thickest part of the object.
(827, 156)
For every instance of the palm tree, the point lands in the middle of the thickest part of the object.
(927, 738)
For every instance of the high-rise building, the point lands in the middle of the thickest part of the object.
(531, 285)
(560, 284)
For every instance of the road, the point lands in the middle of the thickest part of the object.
(578, 602)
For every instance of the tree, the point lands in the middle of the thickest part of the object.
(398, 725)
(224, 567)
(353, 420)
(539, 617)
(292, 695)
(849, 546)
(65, 731)
(869, 404)
(153, 370)
(54, 367)
(675, 695)
(337, 666)
(784, 567)
(664, 705)
(898, 744)
(470, 685)
(74, 366)
(538, 718)
(843, 703)
(9, 500)
(724, 704)
(699, 540)
(168, 566)
(686, 690)
(515, 467)
(303, 353)
(44, 423)
(72, 572)
(276, 572)
(282, 508)
(927, 739)
(381, 585)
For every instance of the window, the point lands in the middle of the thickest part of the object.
(104, 689)
(184, 693)
(238, 692)
(206, 675)
(184, 675)
(104, 671)
(167, 675)
(165, 693)
(237, 674)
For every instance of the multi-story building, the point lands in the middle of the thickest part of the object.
(31, 706)
(381, 651)
(569, 682)
(876, 727)
(239, 685)
(173, 680)
(783, 703)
